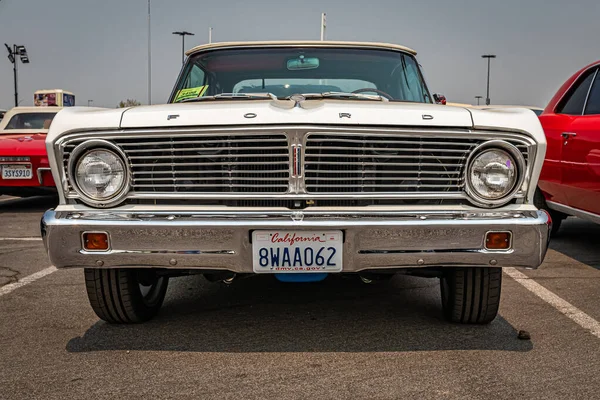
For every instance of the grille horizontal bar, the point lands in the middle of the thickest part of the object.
(373, 163)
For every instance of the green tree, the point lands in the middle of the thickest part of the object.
(129, 103)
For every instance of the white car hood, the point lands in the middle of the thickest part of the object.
(265, 112)
(261, 112)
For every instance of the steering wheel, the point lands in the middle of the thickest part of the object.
(380, 92)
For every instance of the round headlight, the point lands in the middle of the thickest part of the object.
(494, 173)
(100, 175)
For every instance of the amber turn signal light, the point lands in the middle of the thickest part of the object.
(95, 241)
(498, 240)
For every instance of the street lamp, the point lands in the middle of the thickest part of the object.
(487, 97)
(478, 98)
(183, 34)
(17, 50)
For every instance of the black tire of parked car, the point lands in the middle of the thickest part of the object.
(557, 217)
(122, 296)
(471, 295)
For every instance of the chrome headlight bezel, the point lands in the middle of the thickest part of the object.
(521, 171)
(81, 151)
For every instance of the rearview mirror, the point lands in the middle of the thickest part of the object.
(302, 63)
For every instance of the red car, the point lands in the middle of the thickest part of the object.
(570, 179)
(25, 170)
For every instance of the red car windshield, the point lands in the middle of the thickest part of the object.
(33, 120)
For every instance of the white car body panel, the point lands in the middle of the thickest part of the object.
(231, 112)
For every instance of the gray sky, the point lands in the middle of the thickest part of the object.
(98, 49)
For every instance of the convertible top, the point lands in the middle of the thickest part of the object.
(301, 43)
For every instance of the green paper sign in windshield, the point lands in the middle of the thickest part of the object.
(190, 93)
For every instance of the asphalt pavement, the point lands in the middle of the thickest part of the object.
(259, 338)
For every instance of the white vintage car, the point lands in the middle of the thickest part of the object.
(296, 159)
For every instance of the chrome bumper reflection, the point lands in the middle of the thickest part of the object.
(221, 240)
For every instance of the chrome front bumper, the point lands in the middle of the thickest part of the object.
(221, 240)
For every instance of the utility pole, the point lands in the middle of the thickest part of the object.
(183, 34)
(210, 35)
(478, 98)
(489, 57)
(17, 50)
(149, 58)
(323, 25)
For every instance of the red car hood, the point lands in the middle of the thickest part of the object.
(23, 145)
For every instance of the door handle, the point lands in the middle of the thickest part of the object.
(567, 135)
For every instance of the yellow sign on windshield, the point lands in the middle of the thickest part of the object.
(190, 93)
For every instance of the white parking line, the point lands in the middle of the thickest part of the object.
(27, 280)
(572, 312)
(26, 239)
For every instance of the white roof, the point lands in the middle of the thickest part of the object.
(301, 43)
(22, 110)
(42, 91)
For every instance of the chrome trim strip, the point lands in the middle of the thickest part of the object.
(197, 252)
(588, 216)
(40, 177)
(481, 251)
(356, 216)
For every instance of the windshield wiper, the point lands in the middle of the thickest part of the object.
(345, 95)
(232, 96)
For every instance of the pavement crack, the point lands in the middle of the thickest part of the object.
(9, 275)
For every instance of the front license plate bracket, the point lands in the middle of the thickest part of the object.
(291, 251)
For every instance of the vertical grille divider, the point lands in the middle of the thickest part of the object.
(173, 166)
(420, 162)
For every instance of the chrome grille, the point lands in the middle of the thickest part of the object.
(385, 163)
(358, 165)
(208, 163)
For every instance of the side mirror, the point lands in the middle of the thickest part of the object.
(439, 98)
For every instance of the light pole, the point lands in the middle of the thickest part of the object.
(17, 50)
(210, 35)
(149, 58)
(487, 97)
(183, 34)
(478, 98)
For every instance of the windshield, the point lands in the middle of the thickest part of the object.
(287, 71)
(34, 120)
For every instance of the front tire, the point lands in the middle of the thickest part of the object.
(471, 295)
(124, 296)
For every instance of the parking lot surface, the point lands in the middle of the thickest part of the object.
(259, 338)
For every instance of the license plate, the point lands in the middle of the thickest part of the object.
(297, 251)
(17, 171)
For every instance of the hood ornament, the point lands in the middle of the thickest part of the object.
(345, 115)
(172, 116)
(249, 115)
(25, 139)
(427, 116)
